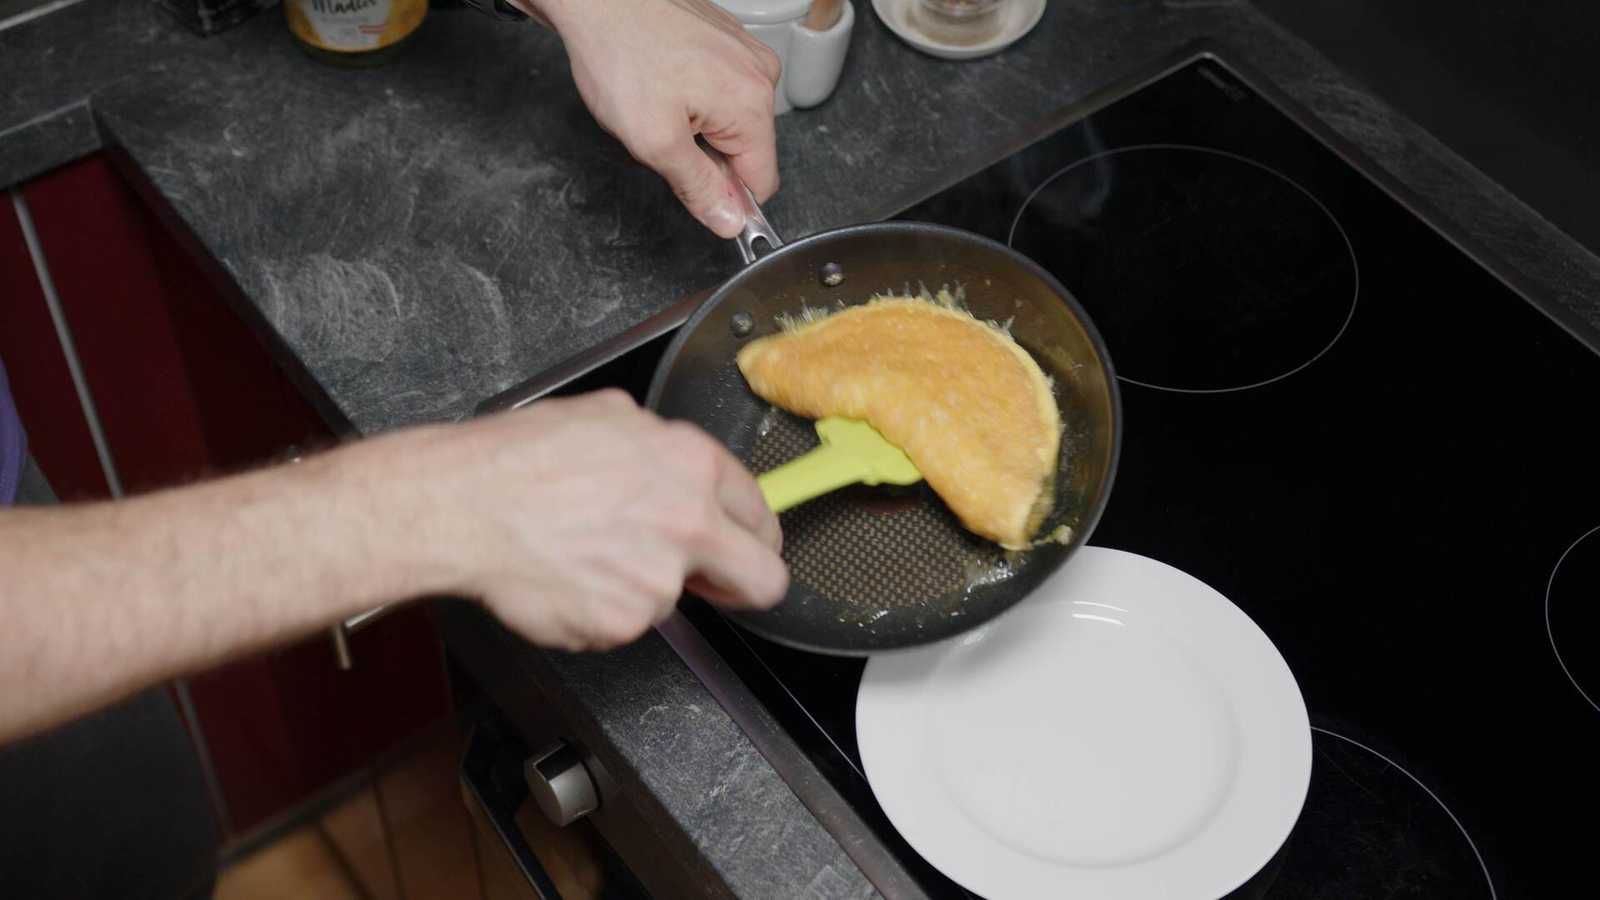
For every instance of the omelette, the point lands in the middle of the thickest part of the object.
(970, 407)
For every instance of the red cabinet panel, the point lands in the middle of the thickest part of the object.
(282, 725)
(41, 384)
(181, 385)
(184, 388)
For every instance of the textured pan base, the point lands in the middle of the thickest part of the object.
(922, 551)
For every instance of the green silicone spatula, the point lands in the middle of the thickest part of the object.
(851, 452)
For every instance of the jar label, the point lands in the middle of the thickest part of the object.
(354, 25)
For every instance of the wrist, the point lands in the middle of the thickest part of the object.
(372, 504)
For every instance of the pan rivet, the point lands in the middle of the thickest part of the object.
(832, 274)
(742, 324)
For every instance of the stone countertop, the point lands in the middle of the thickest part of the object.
(1508, 86)
(422, 235)
(416, 238)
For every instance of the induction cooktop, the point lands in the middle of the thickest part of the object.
(1352, 429)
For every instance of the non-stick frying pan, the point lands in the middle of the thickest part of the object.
(876, 569)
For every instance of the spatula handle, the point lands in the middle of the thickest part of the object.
(806, 477)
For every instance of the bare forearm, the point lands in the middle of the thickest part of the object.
(100, 600)
(576, 521)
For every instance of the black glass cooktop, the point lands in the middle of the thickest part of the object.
(1372, 446)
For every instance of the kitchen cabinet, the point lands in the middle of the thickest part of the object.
(521, 853)
(182, 387)
(41, 382)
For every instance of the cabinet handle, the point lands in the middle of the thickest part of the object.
(342, 630)
(492, 780)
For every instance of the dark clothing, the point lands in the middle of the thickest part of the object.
(111, 805)
(13, 446)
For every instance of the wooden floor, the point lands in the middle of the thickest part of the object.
(301, 864)
(406, 835)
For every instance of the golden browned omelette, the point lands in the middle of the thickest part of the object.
(970, 407)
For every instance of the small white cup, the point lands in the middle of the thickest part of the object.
(811, 60)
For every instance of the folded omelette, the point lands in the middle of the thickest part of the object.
(969, 406)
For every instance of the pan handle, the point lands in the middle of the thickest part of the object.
(755, 226)
(755, 221)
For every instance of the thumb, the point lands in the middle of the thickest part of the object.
(703, 187)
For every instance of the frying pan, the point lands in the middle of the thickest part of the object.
(877, 569)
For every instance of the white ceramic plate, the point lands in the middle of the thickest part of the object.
(1126, 732)
(1021, 16)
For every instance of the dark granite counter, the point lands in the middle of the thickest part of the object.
(418, 237)
(1509, 86)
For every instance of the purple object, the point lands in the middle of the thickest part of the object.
(12, 443)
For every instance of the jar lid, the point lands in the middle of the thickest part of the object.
(765, 12)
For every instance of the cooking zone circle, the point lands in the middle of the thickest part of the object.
(1369, 828)
(1205, 271)
(1572, 610)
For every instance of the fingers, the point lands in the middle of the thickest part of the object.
(735, 568)
(607, 403)
(753, 154)
(705, 590)
(740, 497)
(766, 57)
(756, 163)
(733, 559)
(699, 183)
(609, 399)
(737, 494)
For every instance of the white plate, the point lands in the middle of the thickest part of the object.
(1124, 733)
(1021, 16)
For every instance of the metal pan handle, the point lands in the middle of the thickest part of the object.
(755, 221)
(755, 226)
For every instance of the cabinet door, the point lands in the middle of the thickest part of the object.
(41, 382)
(184, 388)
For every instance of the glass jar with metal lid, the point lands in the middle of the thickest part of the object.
(354, 33)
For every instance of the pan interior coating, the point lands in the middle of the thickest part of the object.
(877, 569)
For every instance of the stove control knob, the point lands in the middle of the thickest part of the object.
(560, 784)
